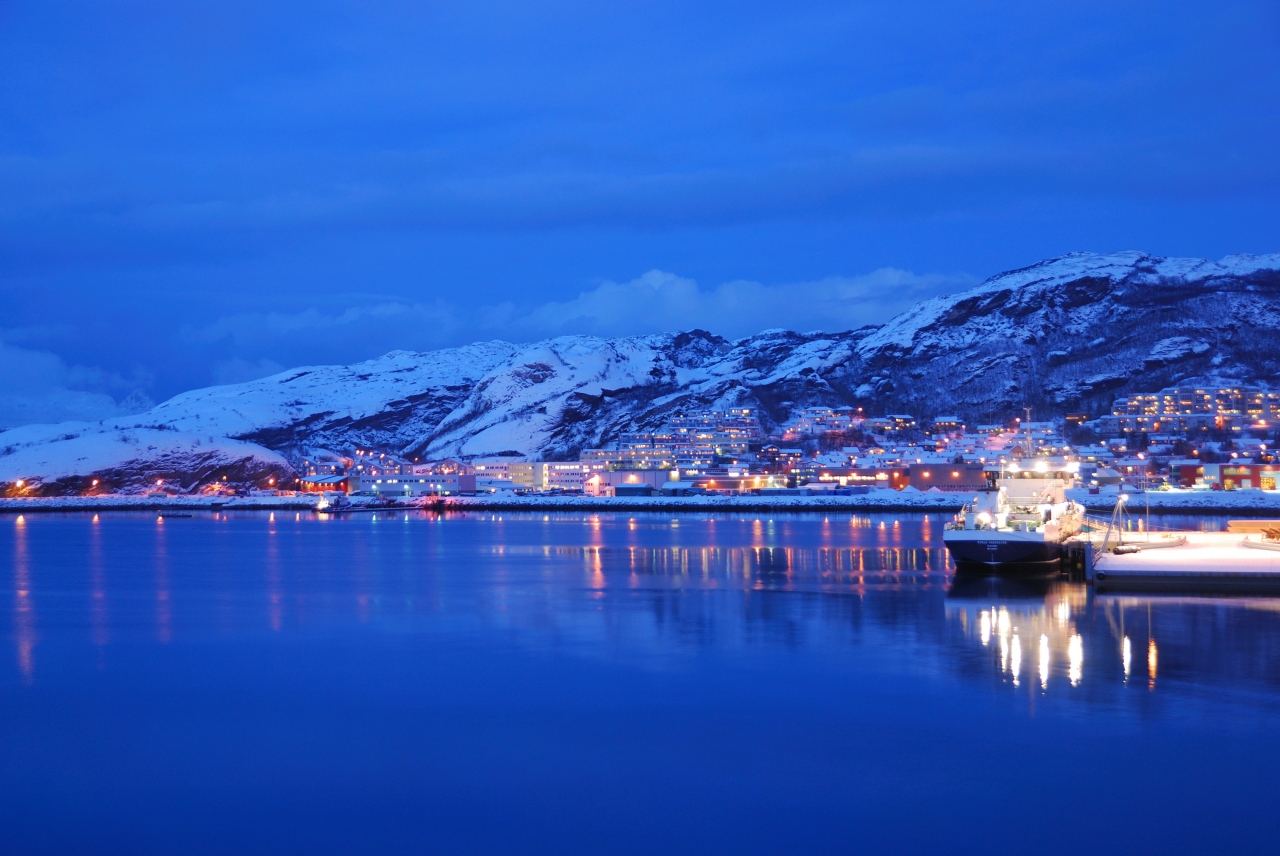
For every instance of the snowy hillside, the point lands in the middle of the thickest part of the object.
(1068, 334)
(1075, 332)
(134, 460)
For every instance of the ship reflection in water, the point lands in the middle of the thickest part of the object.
(265, 678)
(1085, 640)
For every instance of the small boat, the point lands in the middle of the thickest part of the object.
(1018, 524)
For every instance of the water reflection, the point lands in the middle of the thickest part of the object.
(636, 587)
(1086, 641)
(164, 608)
(275, 606)
(1015, 659)
(98, 619)
(1075, 659)
(24, 618)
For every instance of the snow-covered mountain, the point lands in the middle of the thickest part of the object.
(1068, 334)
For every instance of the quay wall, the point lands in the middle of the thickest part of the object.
(887, 500)
(1238, 502)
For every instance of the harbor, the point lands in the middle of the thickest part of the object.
(1022, 524)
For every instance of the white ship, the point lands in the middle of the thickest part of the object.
(1020, 521)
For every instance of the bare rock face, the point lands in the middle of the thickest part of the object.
(1068, 334)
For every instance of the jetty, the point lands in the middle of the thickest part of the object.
(1245, 558)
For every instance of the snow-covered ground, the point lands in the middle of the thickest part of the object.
(81, 449)
(922, 324)
(125, 503)
(1252, 500)
(1245, 501)
(890, 500)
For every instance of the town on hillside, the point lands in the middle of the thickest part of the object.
(1200, 439)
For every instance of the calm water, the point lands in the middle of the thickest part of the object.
(609, 684)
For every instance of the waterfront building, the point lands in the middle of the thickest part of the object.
(1240, 474)
(323, 483)
(568, 476)
(947, 476)
(499, 470)
(409, 484)
(865, 477)
(1186, 472)
(626, 482)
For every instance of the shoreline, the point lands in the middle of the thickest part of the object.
(1251, 503)
(934, 503)
(798, 505)
(50, 504)
(1248, 502)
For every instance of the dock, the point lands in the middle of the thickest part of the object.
(1245, 560)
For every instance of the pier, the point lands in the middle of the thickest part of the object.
(1245, 558)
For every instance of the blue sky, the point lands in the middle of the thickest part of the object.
(202, 192)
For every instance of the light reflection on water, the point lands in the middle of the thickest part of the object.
(808, 611)
(311, 570)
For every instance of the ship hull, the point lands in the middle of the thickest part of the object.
(997, 552)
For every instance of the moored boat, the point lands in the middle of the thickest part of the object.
(1018, 524)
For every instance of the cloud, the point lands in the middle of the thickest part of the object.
(238, 370)
(38, 386)
(659, 301)
(251, 345)
(246, 327)
(259, 344)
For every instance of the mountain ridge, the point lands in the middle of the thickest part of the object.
(1064, 334)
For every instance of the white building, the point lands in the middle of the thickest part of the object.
(607, 482)
(552, 475)
(424, 484)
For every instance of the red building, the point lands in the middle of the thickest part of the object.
(949, 477)
(1185, 472)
